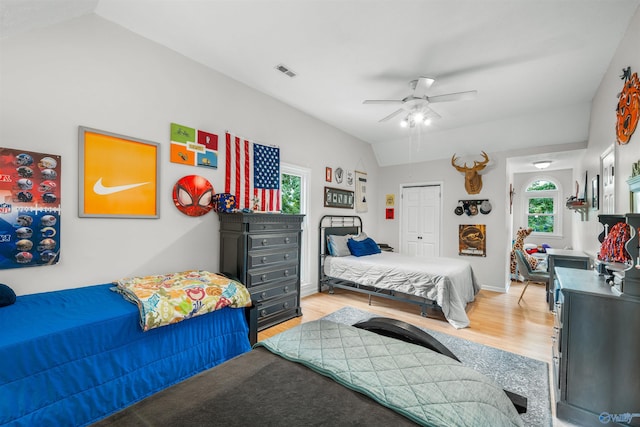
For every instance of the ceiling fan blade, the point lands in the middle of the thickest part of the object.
(382, 101)
(391, 116)
(430, 114)
(458, 96)
(421, 86)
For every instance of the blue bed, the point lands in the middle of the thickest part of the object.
(72, 357)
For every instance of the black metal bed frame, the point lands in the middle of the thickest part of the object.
(352, 224)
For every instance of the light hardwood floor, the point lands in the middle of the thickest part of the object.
(496, 320)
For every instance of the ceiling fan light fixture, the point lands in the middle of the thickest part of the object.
(542, 164)
(427, 121)
(404, 123)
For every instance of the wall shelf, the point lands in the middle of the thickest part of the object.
(582, 208)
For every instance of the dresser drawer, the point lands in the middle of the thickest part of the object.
(262, 241)
(259, 277)
(262, 259)
(272, 307)
(262, 293)
(268, 226)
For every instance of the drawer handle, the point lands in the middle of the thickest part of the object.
(286, 304)
(264, 242)
(286, 256)
(286, 272)
(264, 259)
(556, 359)
(263, 277)
(556, 329)
(554, 338)
(286, 289)
(286, 240)
(263, 313)
(263, 295)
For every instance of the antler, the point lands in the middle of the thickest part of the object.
(458, 167)
(478, 166)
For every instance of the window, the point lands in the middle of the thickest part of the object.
(541, 207)
(291, 193)
(294, 189)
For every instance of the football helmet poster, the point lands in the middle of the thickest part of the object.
(29, 208)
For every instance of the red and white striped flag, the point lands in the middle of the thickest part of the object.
(252, 172)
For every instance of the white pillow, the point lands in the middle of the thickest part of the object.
(338, 245)
(360, 236)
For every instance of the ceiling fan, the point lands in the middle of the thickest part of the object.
(416, 105)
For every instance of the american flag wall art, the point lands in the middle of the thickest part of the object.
(252, 174)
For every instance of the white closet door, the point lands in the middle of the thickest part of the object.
(420, 224)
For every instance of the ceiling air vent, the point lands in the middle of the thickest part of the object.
(285, 70)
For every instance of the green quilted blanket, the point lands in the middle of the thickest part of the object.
(426, 387)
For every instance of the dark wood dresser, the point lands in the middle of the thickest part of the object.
(596, 350)
(563, 258)
(263, 252)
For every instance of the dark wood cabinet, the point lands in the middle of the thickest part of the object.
(563, 258)
(596, 350)
(263, 252)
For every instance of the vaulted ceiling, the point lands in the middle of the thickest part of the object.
(535, 64)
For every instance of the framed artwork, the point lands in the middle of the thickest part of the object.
(349, 178)
(338, 198)
(472, 240)
(595, 192)
(389, 213)
(361, 191)
(119, 175)
(30, 208)
(390, 199)
(193, 147)
(327, 174)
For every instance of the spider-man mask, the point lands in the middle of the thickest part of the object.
(192, 195)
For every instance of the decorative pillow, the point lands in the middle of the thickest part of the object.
(338, 245)
(7, 296)
(360, 236)
(365, 247)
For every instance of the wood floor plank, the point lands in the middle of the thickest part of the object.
(496, 318)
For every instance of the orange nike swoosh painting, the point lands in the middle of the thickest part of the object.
(120, 175)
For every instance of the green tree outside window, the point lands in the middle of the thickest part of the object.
(541, 206)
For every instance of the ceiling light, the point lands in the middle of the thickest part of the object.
(543, 164)
(427, 121)
(418, 117)
(404, 123)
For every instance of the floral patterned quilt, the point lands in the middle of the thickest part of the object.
(170, 298)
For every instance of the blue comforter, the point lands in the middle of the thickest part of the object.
(72, 357)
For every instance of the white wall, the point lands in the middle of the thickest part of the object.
(602, 135)
(490, 270)
(563, 178)
(91, 72)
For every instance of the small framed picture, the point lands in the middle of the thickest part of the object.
(595, 192)
(327, 174)
(338, 198)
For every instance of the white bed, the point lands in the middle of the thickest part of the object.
(446, 284)
(447, 281)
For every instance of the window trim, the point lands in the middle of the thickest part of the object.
(554, 194)
(305, 245)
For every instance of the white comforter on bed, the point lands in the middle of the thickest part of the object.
(448, 281)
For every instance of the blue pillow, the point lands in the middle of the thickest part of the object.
(7, 296)
(364, 247)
